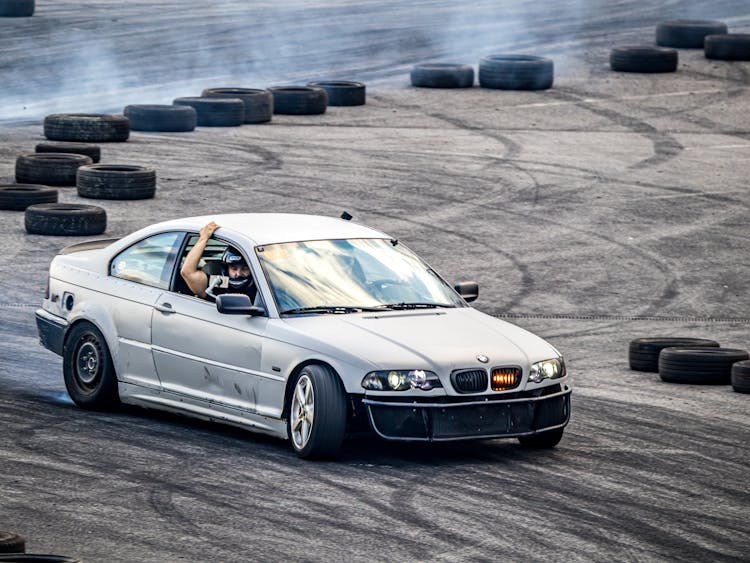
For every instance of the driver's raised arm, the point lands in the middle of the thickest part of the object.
(195, 279)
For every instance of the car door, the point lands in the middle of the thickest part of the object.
(207, 356)
(137, 276)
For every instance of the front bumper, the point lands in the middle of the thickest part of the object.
(51, 331)
(519, 414)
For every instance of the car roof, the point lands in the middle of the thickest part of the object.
(269, 228)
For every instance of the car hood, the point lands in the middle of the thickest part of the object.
(437, 339)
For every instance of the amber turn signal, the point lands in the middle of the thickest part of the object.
(505, 378)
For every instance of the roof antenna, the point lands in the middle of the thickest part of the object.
(345, 216)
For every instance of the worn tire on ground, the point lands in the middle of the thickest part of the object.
(62, 219)
(17, 8)
(643, 353)
(12, 543)
(687, 34)
(728, 47)
(37, 558)
(116, 181)
(258, 103)
(299, 100)
(342, 92)
(704, 366)
(215, 112)
(643, 59)
(162, 118)
(442, 75)
(86, 127)
(17, 197)
(741, 376)
(49, 169)
(94, 152)
(516, 72)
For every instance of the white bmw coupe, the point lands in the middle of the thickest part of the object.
(348, 331)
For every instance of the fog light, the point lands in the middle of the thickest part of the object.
(505, 378)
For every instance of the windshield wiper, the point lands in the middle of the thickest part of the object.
(398, 306)
(323, 309)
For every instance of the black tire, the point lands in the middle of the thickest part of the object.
(299, 100)
(741, 376)
(86, 127)
(12, 543)
(64, 219)
(442, 75)
(643, 353)
(16, 8)
(687, 34)
(116, 181)
(49, 169)
(18, 197)
(94, 152)
(342, 92)
(37, 558)
(643, 59)
(88, 370)
(329, 414)
(161, 118)
(703, 366)
(543, 440)
(216, 112)
(729, 47)
(258, 103)
(516, 72)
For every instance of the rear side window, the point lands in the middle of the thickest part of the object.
(149, 261)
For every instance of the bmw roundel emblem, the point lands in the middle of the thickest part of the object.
(483, 359)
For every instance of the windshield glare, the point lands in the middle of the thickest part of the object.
(350, 273)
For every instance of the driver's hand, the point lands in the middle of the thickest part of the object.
(208, 230)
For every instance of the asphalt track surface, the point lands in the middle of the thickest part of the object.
(610, 207)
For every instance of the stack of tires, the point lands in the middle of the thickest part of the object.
(696, 361)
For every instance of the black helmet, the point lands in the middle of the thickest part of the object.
(233, 258)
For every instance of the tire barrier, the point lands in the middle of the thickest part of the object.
(94, 152)
(65, 219)
(215, 112)
(49, 169)
(116, 181)
(516, 72)
(643, 353)
(643, 59)
(687, 34)
(258, 103)
(86, 127)
(702, 366)
(741, 376)
(729, 47)
(342, 92)
(12, 543)
(299, 100)
(17, 197)
(442, 75)
(16, 8)
(163, 118)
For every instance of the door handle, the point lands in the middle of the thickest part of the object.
(164, 308)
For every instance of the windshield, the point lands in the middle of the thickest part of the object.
(351, 275)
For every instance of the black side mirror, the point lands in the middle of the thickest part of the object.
(469, 290)
(237, 304)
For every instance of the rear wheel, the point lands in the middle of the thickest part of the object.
(88, 370)
(543, 440)
(317, 415)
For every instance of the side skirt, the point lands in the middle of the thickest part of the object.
(182, 404)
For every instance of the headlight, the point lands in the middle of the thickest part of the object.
(547, 369)
(401, 380)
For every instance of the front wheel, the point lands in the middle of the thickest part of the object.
(317, 415)
(88, 370)
(543, 440)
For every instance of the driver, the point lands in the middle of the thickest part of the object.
(233, 266)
